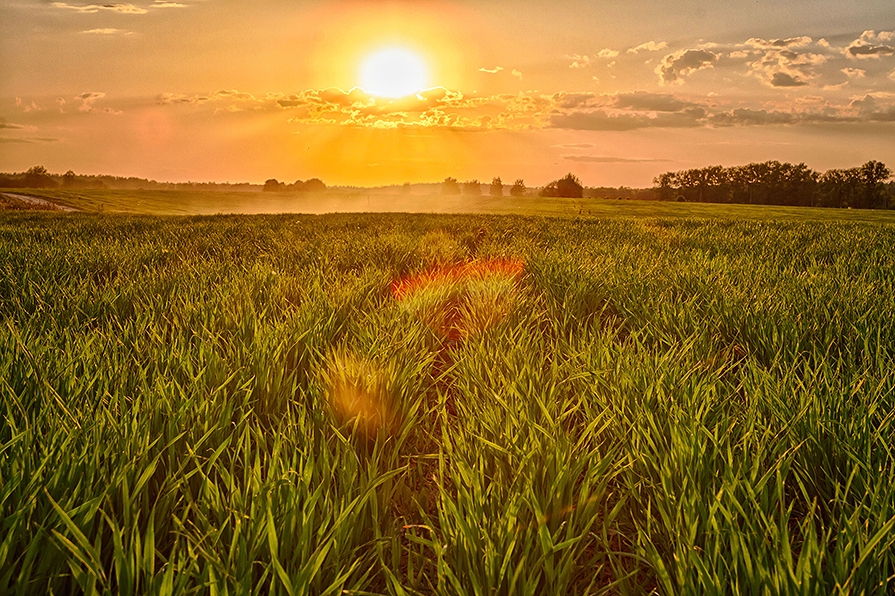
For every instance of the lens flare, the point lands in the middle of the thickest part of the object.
(461, 300)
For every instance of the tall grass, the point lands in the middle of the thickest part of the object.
(240, 404)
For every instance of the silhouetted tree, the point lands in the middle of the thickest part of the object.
(472, 188)
(568, 186)
(38, 177)
(273, 185)
(407, 188)
(873, 174)
(69, 179)
(518, 189)
(450, 186)
(314, 185)
(496, 187)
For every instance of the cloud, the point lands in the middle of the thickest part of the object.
(28, 140)
(781, 79)
(651, 102)
(517, 74)
(608, 159)
(796, 42)
(869, 109)
(224, 94)
(607, 53)
(854, 73)
(107, 31)
(494, 70)
(869, 51)
(603, 120)
(452, 110)
(575, 146)
(747, 117)
(579, 61)
(88, 99)
(94, 8)
(682, 63)
(649, 46)
(7, 126)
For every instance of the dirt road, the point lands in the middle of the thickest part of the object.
(41, 202)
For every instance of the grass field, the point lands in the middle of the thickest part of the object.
(181, 202)
(301, 404)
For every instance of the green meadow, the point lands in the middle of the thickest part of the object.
(646, 399)
(197, 202)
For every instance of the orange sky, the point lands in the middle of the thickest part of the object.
(614, 91)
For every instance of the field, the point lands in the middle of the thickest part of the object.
(448, 404)
(188, 202)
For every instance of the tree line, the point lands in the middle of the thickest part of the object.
(776, 183)
(567, 186)
(451, 186)
(39, 177)
(312, 185)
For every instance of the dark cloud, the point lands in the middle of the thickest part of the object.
(779, 43)
(869, 109)
(569, 101)
(781, 79)
(651, 102)
(747, 117)
(866, 50)
(9, 126)
(602, 120)
(681, 63)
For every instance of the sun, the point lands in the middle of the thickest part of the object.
(393, 72)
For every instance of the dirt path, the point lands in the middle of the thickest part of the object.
(40, 202)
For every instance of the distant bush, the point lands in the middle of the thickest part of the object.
(450, 186)
(496, 189)
(472, 188)
(273, 185)
(518, 189)
(568, 186)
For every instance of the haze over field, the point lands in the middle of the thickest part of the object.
(370, 93)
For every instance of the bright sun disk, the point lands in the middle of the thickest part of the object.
(393, 72)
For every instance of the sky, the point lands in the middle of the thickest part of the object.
(614, 91)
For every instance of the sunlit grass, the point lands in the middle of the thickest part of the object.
(246, 404)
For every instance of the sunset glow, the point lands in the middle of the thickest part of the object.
(361, 93)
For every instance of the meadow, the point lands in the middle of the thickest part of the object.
(193, 202)
(448, 403)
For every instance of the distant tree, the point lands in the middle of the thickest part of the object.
(272, 185)
(472, 188)
(665, 184)
(297, 186)
(314, 185)
(407, 188)
(518, 189)
(69, 179)
(450, 186)
(873, 174)
(496, 187)
(568, 186)
(38, 177)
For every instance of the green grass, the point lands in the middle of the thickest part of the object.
(656, 405)
(185, 202)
